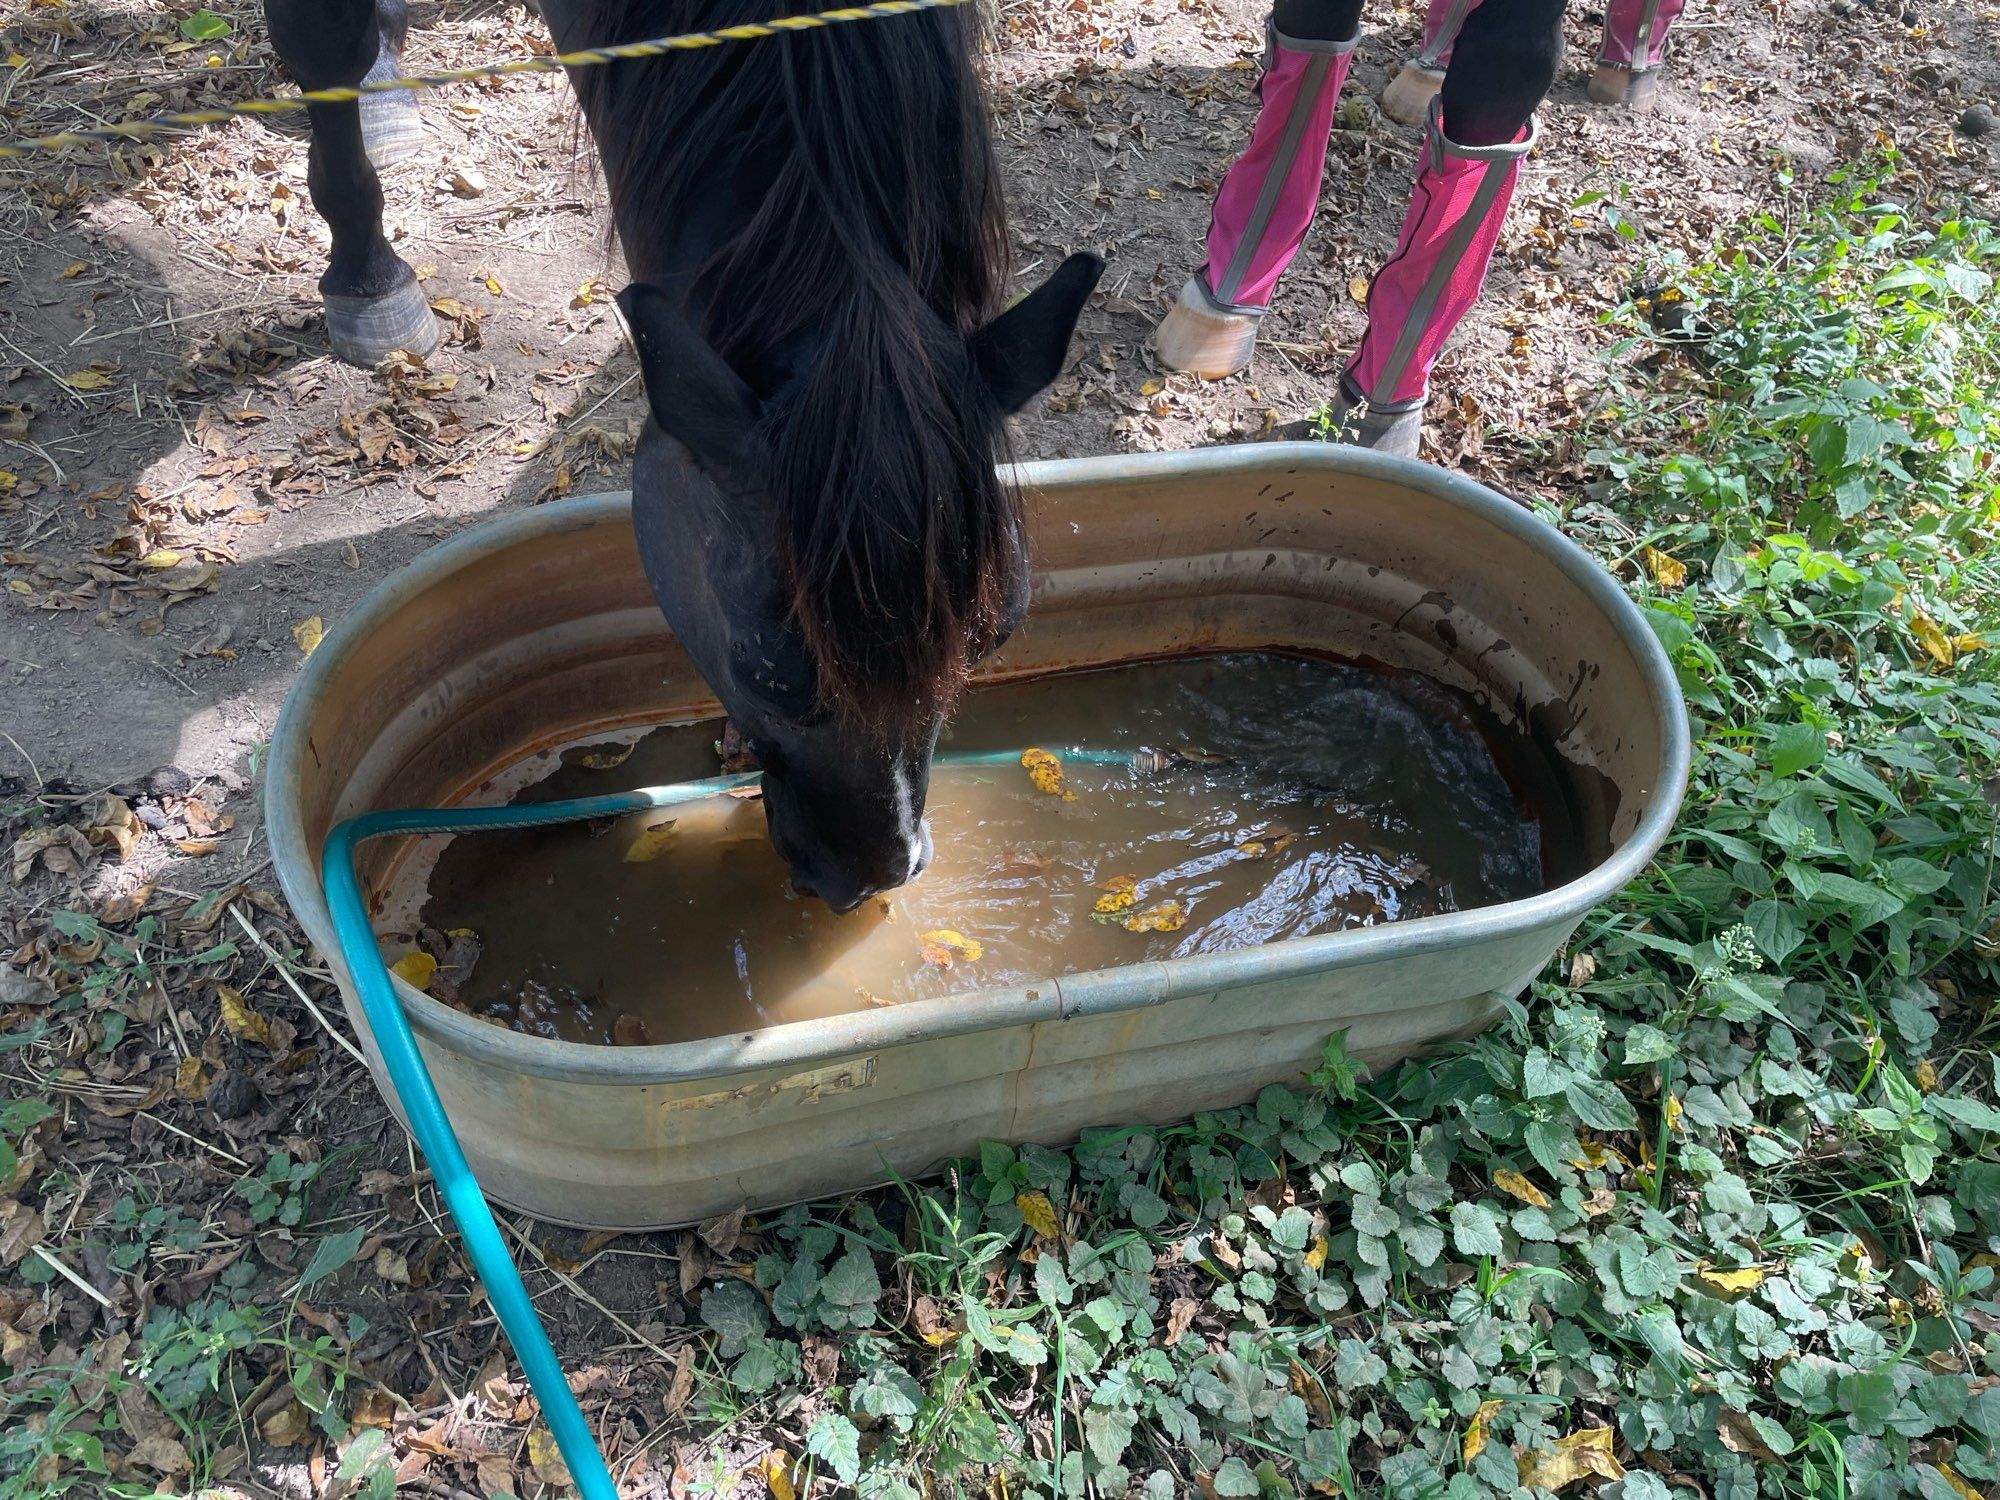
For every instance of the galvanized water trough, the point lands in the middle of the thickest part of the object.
(535, 629)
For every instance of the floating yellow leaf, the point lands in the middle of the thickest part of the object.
(1475, 1431)
(600, 757)
(1046, 772)
(1166, 916)
(160, 559)
(243, 1023)
(1668, 572)
(415, 969)
(1732, 1282)
(1673, 1112)
(1578, 1456)
(72, 271)
(1039, 1213)
(1958, 1485)
(777, 1468)
(88, 380)
(1119, 893)
(956, 946)
(1315, 1255)
(1926, 1076)
(1934, 641)
(309, 633)
(1515, 1185)
(651, 843)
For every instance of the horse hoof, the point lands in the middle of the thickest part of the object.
(392, 126)
(1407, 99)
(365, 331)
(1201, 337)
(1614, 85)
(1349, 421)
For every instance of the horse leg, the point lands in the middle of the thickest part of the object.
(1476, 133)
(1628, 64)
(1266, 201)
(392, 126)
(1407, 99)
(373, 302)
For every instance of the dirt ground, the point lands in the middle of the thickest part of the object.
(191, 487)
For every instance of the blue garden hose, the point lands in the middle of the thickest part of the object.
(411, 1080)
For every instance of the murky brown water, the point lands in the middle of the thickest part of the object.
(1329, 797)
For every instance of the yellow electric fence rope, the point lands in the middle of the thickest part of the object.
(137, 130)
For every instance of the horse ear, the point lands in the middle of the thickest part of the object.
(1021, 352)
(695, 396)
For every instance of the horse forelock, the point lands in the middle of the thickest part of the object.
(864, 242)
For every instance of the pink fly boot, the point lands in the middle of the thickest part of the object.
(1262, 210)
(1427, 285)
(1628, 64)
(1407, 99)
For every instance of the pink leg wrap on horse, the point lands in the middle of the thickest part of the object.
(1442, 24)
(1266, 201)
(1635, 32)
(1440, 264)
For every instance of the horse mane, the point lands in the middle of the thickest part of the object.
(841, 189)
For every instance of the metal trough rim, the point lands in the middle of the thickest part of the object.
(1096, 993)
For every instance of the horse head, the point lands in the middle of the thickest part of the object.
(837, 552)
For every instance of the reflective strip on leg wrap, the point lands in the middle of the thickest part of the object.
(1439, 265)
(1267, 199)
(1442, 24)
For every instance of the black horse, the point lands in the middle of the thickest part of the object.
(818, 248)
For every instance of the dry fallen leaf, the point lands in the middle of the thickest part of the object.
(544, 1457)
(651, 843)
(122, 909)
(1040, 1214)
(96, 378)
(1934, 641)
(1668, 572)
(415, 969)
(1732, 1282)
(1179, 1317)
(191, 1078)
(1515, 1185)
(1475, 1431)
(243, 1022)
(1578, 1456)
(630, 1031)
(1740, 1435)
(286, 1427)
(777, 1469)
(309, 633)
(1046, 772)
